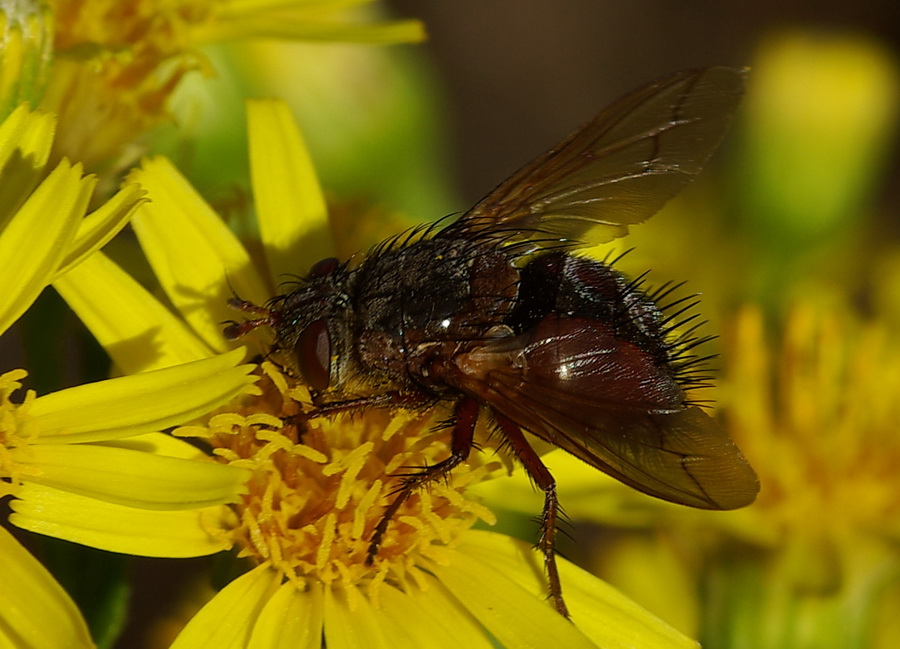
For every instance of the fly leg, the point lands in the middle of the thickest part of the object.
(235, 330)
(465, 416)
(385, 400)
(550, 516)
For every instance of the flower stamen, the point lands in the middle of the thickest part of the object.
(320, 486)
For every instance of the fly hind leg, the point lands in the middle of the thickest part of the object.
(550, 516)
(465, 416)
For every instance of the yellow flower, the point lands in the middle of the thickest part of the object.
(76, 462)
(314, 499)
(817, 415)
(319, 487)
(84, 464)
(42, 215)
(117, 62)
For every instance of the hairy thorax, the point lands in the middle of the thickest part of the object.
(431, 299)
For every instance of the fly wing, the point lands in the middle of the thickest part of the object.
(617, 170)
(573, 384)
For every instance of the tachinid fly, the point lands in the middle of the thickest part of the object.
(495, 316)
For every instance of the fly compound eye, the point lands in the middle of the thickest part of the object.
(313, 353)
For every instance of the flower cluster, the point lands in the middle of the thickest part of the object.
(194, 445)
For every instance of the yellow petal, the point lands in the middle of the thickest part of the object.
(160, 444)
(290, 206)
(606, 616)
(29, 133)
(196, 258)
(107, 526)
(654, 573)
(35, 612)
(349, 627)
(128, 477)
(101, 225)
(139, 403)
(518, 617)
(291, 619)
(137, 331)
(25, 141)
(227, 620)
(431, 618)
(34, 241)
